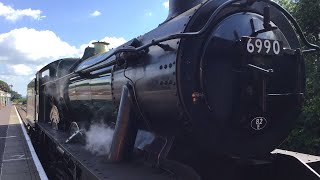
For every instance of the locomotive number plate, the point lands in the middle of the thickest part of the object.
(262, 46)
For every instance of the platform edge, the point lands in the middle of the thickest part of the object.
(42, 173)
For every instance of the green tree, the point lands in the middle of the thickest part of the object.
(289, 5)
(306, 135)
(15, 96)
(4, 86)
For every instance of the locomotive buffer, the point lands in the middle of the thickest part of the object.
(17, 156)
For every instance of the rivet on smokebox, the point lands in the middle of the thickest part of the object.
(197, 97)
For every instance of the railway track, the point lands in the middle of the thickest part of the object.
(22, 110)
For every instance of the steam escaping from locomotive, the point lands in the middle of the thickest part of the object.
(98, 139)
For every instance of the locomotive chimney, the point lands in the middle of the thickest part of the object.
(177, 7)
(100, 47)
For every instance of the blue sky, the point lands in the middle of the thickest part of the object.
(34, 33)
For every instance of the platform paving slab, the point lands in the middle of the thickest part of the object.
(16, 162)
(4, 120)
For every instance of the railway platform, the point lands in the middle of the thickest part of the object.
(17, 156)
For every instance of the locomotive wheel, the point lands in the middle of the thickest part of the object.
(54, 116)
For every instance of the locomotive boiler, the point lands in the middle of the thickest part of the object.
(216, 77)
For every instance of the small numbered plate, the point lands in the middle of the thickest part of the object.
(259, 123)
(262, 46)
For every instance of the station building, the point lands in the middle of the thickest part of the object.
(4, 99)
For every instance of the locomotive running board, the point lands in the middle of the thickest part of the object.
(283, 164)
(89, 166)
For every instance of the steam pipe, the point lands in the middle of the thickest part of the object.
(125, 131)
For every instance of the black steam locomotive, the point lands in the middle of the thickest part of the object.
(217, 78)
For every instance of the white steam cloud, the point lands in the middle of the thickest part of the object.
(99, 139)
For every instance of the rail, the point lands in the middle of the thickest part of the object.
(22, 111)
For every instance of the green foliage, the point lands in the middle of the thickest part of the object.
(15, 95)
(308, 16)
(289, 5)
(20, 101)
(306, 135)
(4, 86)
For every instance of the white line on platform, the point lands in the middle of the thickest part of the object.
(18, 155)
(8, 160)
(42, 173)
(8, 137)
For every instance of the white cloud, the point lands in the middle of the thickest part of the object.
(24, 51)
(95, 14)
(4, 58)
(166, 4)
(148, 14)
(34, 46)
(21, 69)
(13, 15)
(38, 67)
(113, 42)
